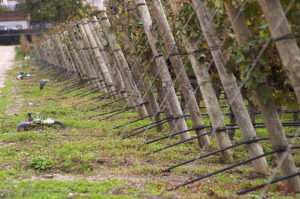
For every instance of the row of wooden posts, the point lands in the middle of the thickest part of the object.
(90, 49)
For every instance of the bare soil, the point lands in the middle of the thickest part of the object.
(7, 55)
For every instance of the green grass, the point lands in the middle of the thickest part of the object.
(90, 149)
(19, 56)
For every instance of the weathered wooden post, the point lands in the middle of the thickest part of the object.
(267, 108)
(162, 69)
(207, 90)
(131, 88)
(230, 85)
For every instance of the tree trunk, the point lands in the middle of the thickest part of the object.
(230, 85)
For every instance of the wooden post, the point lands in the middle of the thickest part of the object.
(207, 91)
(90, 52)
(287, 47)
(230, 85)
(110, 61)
(268, 108)
(167, 83)
(106, 75)
(183, 79)
(131, 87)
(139, 72)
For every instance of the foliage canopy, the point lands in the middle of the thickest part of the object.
(55, 10)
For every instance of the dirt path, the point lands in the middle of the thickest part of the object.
(7, 55)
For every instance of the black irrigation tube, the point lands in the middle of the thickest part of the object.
(221, 150)
(132, 122)
(64, 80)
(59, 82)
(107, 104)
(266, 184)
(173, 134)
(102, 95)
(46, 68)
(72, 90)
(74, 85)
(91, 92)
(109, 96)
(183, 141)
(67, 77)
(89, 89)
(158, 124)
(195, 137)
(126, 109)
(255, 125)
(152, 123)
(233, 166)
(77, 84)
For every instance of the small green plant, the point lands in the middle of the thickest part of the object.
(40, 163)
(2, 124)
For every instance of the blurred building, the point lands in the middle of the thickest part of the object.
(14, 20)
(9, 3)
(96, 4)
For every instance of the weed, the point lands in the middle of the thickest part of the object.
(40, 163)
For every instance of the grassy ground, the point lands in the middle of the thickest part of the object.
(89, 160)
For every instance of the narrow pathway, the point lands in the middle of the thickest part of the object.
(7, 55)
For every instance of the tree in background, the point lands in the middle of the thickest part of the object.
(54, 10)
(4, 8)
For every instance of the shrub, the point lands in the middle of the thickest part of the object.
(25, 45)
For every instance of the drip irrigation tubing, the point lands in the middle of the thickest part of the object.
(87, 85)
(127, 109)
(152, 123)
(89, 90)
(76, 84)
(255, 125)
(173, 134)
(102, 95)
(90, 99)
(132, 121)
(221, 150)
(232, 166)
(172, 118)
(266, 184)
(119, 110)
(197, 136)
(72, 90)
(108, 104)
(109, 96)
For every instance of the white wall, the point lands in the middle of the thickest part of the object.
(14, 24)
(98, 3)
(11, 4)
